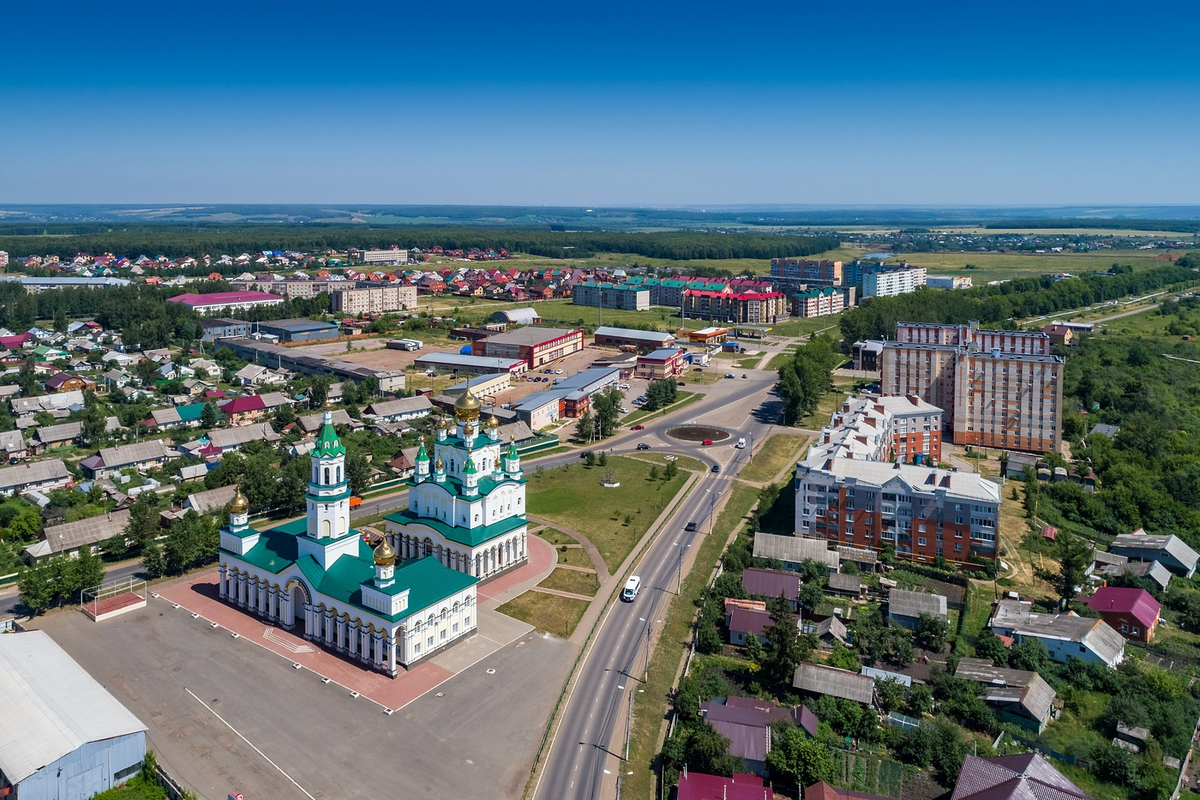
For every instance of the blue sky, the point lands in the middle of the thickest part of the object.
(602, 104)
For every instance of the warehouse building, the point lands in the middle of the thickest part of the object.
(299, 330)
(629, 337)
(464, 364)
(535, 346)
(64, 737)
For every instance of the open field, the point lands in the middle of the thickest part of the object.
(1000, 266)
(574, 557)
(778, 452)
(551, 613)
(613, 519)
(573, 581)
(1063, 232)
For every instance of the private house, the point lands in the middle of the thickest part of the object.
(69, 538)
(1169, 550)
(1009, 615)
(141, 456)
(244, 410)
(193, 472)
(746, 723)
(828, 631)
(51, 436)
(1134, 613)
(905, 608)
(311, 423)
(402, 410)
(210, 501)
(233, 439)
(258, 375)
(64, 736)
(1016, 695)
(772, 584)
(187, 416)
(66, 382)
(12, 445)
(823, 791)
(817, 680)
(1148, 570)
(34, 476)
(845, 585)
(795, 550)
(865, 559)
(742, 786)
(1018, 777)
(746, 622)
(1068, 636)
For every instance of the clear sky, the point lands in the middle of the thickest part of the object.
(615, 103)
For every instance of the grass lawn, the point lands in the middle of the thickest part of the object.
(551, 613)
(683, 462)
(750, 362)
(553, 451)
(572, 496)
(829, 402)
(555, 537)
(573, 581)
(779, 451)
(1000, 266)
(806, 326)
(574, 557)
(681, 400)
(979, 608)
(649, 705)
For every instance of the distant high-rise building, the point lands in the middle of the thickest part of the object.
(3, 260)
(391, 256)
(807, 271)
(888, 281)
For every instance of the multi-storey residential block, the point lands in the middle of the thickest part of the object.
(818, 302)
(374, 300)
(889, 281)
(3, 259)
(611, 295)
(997, 388)
(807, 271)
(884, 429)
(391, 256)
(742, 308)
(288, 287)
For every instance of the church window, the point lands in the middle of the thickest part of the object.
(477, 518)
(339, 474)
(456, 627)
(416, 627)
(327, 475)
(444, 632)
(442, 614)
(429, 641)
(416, 647)
(467, 620)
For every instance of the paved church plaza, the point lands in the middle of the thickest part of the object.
(198, 594)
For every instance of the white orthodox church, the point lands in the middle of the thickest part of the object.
(320, 574)
(468, 511)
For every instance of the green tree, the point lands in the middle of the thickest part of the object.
(607, 407)
(60, 320)
(931, 632)
(358, 473)
(27, 378)
(920, 700)
(754, 653)
(318, 390)
(990, 647)
(36, 589)
(602, 459)
(1029, 654)
(948, 750)
(153, 561)
(783, 644)
(797, 760)
(143, 526)
(210, 417)
(1074, 558)
(585, 428)
(890, 694)
(88, 570)
(25, 525)
(191, 541)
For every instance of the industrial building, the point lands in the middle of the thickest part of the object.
(533, 345)
(629, 337)
(223, 328)
(465, 364)
(36, 285)
(64, 737)
(299, 330)
(279, 357)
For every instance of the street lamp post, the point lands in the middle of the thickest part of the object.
(679, 570)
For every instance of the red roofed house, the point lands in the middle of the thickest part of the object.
(241, 410)
(222, 302)
(1059, 334)
(742, 786)
(823, 791)
(15, 342)
(744, 622)
(1132, 612)
(66, 382)
(1013, 778)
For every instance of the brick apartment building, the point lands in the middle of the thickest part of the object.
(886, 429)
(818, 302)
(997, 388)
(808, 271)
(288, 287)
(738, 308)
(374, 300)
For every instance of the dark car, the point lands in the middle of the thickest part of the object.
(716, 468)
(585, 454)
(691, 526)
(643, 446)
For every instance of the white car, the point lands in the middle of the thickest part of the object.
(624, 387)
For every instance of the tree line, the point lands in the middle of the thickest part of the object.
(876, 318)
(176, 241)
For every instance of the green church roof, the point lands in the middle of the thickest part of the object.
(471, 537)
(328, 443)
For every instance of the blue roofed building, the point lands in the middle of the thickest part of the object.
(319, 575)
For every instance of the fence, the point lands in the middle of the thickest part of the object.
(1046, 751)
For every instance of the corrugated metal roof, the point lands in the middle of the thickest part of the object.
(49, 706)
(73, 535)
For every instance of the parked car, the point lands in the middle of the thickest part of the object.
(730, 375)
(691, 526)
(623, 410)
(643, 446)
(623, 386)
(681, 383)
(638, 428)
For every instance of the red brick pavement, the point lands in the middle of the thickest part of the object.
(541, 559)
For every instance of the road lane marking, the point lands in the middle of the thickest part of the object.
(247, 741)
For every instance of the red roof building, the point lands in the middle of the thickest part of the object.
(1022, 777)
(219, 302)
(742, 786)
(823, 791)
(1132, 612)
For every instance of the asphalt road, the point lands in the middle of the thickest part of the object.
(582, 760)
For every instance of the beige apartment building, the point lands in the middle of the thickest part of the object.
(374, 300)
(998, 389)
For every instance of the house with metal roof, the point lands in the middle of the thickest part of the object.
(50, 436)
(1131, 612)
(645, 341)
(232, 439)
(70, 537)
(1169, 550)
(401, 410)
(846, 585)
(745, 622)
(34, 476)
(1028, 776)
(795, 550)
(64, 736)
(905, 607)
(817, 680)
(1018, 696)
(742, 786)
(146, 455)
(1147, 570)
(746, 723)
(1068, 636)
(772, 584)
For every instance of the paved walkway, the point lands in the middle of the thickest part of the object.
(584, 542)
(198, 594)
(561, 593)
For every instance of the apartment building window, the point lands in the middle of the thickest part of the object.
(920, 541)
(958, 547)
(920, 527)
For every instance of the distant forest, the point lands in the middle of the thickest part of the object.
(174, 241)
(1178, 225)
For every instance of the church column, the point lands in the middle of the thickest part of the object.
(391, 650)
(327, 624)
(241, 592)
(340, 625)
(221, 585)
(273, 602)
(308, 621)
(285, 609)
(377, 650)
(261, 603)
(352, 637)
(524, 545)
(402, 644)
(364, 643)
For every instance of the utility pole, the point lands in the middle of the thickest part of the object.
(646, 676)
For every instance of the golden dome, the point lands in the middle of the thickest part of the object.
(466, 407)
(385, 556)
(442, 424)
(240, 504)
(439, 465)
(493, 423)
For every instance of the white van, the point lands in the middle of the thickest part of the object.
(741, 445)
(632, 587)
